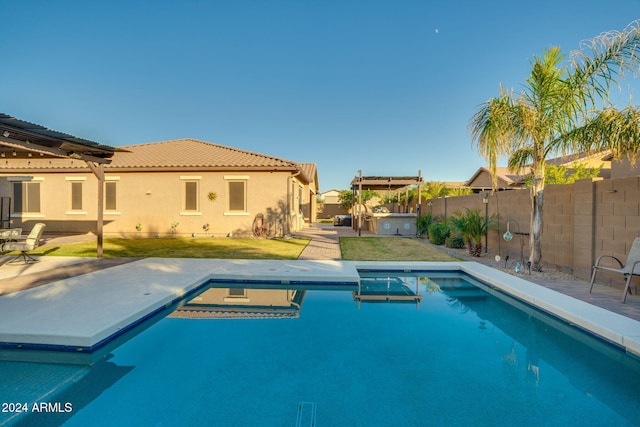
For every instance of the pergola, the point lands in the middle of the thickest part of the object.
(20, 139)
(389, 183)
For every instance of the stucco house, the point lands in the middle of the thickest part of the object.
(175, 187)
(330, 205)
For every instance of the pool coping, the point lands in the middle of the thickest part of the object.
(83, 313)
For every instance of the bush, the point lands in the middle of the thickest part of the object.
(424, 221)
(454, 242)
(438, 233)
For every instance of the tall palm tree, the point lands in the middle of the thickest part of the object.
(562, 109)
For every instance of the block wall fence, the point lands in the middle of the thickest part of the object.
(581, 221)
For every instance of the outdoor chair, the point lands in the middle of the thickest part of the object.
(9, 234)
(25, 244)
(630, 268)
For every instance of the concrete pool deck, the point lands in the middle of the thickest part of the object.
(83, 310)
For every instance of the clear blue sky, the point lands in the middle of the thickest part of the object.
(383, 86)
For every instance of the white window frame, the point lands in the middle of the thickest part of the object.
(76, 180)
(185, 180)
(26, 180)
(244, 179)
(112, 180)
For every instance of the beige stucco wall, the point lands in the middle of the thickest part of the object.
(155, 200)
(252, 297)
(624, 168)
(388, 224)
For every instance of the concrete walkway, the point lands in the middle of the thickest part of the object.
(325, 241)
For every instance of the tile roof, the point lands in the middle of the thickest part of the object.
(503, 174)
(169, 155)
(181, 153)
(310, 173)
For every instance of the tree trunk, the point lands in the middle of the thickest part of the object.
(535, 237)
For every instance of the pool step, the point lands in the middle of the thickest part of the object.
(306, 414)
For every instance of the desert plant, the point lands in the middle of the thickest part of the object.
(438, 232)
(472, 227)
(454, 242)
(423, 223)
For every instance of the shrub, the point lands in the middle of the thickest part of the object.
(424, 221)
(454, 242)
(438, 233)
(472, 226)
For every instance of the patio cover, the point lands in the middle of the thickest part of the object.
(20, 139)
(385, 182)
(396, 183)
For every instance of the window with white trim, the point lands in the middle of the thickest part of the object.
(110, 196)
(190, 196)
(237, 196)
(76, 195)
(26, 197)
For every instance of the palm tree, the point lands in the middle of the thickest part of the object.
(562, 109)
(472, 227)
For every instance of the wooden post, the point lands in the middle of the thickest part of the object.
(98, 171)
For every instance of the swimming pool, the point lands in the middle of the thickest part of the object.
(404, 348)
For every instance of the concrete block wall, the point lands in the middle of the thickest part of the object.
(581, 221)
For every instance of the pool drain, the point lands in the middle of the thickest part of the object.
(306, 414)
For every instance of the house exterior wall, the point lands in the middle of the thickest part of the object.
(483, 180)
(330, 206)
(155, 200)
(581, 221)
(624, 168)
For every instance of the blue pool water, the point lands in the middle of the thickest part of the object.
(399, 351)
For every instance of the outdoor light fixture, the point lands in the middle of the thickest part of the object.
(485, 201)
(6, 134)
(14, 153)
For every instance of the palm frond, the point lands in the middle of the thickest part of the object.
(492, 130)
(611, 129)
(604, 60)
(520, 159)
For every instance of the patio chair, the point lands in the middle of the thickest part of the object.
(25, 245)
(9, 234)
(630, 268)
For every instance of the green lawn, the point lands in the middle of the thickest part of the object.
(389, 249)
(184, 248)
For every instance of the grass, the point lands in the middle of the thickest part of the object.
(184, 248)
(389, 249)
